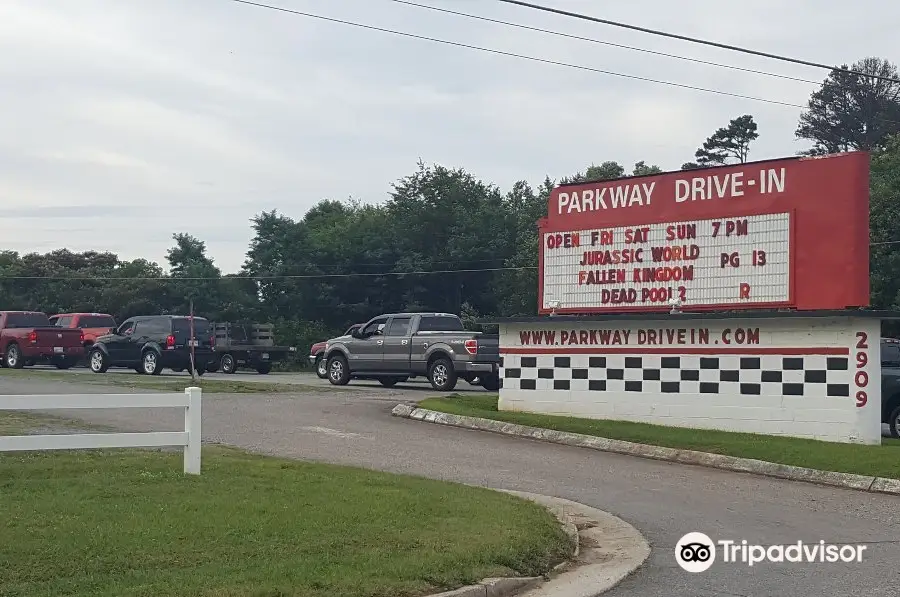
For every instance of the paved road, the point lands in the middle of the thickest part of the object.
(417, 384)
(663, 500)
(413, 387)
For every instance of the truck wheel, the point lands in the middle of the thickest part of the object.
(150, 362)
(262, 368)
(390, 382)
(491, 383)
(442, 375)
(321, 369)
(66, 364)
(894, 422)
(97, 361)
(338, 371)
(228, 364)
(13, 358)
(177, 369)
(212, 367)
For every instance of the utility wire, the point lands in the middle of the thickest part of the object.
(695, 40)
(606, 43)
(303, 276)
(264, 278)
(521, 56)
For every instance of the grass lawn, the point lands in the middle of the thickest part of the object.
(129, 523)
(166, 383)
(883, 460)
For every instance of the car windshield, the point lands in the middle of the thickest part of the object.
(440, 323)
(201, 327)
(27, 320)
(96, 321)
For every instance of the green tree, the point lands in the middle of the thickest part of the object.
(195, 278)
(729, 142)
(642, 169)
(884, 225)
(852, 111)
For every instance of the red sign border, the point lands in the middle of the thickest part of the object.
(861, 229)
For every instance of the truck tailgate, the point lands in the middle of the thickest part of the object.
(488, 348)
(54, 337)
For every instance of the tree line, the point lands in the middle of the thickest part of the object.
(444, 240)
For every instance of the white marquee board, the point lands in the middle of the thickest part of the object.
(720, 262)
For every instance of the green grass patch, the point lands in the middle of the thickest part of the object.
(882, 461)
(167, 383)
(129, 523)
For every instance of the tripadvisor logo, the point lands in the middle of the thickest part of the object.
(696, 552)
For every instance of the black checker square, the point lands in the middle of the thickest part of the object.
(838, 364)
(651, 374)
(817, 376)
(750, 363)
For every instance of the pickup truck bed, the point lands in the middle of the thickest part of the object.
(27, 338)
(393, 348)
(248, 345)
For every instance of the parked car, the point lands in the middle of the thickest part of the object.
(250, 345)
(92, 325)
(150, 343)
(27, 337)
(392, 348)
(890, 384)
(317, 353)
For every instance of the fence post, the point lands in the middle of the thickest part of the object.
(192, 415)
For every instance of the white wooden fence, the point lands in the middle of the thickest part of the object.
(190, 401)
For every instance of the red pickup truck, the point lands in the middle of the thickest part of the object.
(27, 337)
(92, 325)
(317, 353)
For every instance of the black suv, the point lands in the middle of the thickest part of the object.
(890, 384)
(152, 342)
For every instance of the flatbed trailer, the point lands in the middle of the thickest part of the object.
(250, 345)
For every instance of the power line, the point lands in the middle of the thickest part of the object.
(265, 278)
(262, 278)
(695, 40)
(521, 56)
(606, 43)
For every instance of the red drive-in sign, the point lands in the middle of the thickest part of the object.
(789, 233)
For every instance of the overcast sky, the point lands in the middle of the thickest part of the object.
(123, 121)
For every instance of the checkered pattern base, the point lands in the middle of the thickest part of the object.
(810, 375)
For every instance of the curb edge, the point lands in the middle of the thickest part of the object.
(867, 483)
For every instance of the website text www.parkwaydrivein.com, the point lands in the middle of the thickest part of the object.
(640, 337)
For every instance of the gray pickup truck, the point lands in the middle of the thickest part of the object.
(393, 348)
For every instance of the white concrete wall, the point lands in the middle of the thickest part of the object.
(799, 377)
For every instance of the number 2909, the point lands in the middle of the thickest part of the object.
(861, 378)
